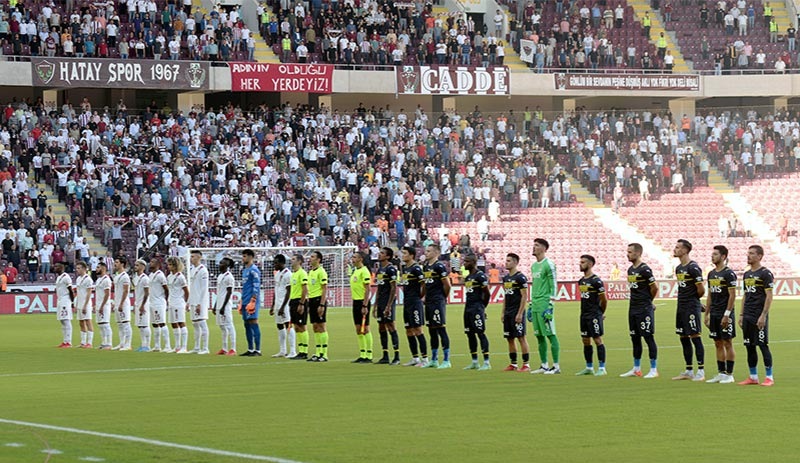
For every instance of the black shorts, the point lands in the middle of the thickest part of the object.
(512, 329)
(313, 310)
(435, 312)
(752, 336)
(412, 314)
(688, 320)
(715, 330)
(298, 318)
(591, 326)
(357, 315)
(642, 323)
(383, 318)
(474, 321)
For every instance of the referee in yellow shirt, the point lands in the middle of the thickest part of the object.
(318, 305)
(359, 290)
(298, 294)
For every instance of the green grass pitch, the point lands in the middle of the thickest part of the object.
(339, 412)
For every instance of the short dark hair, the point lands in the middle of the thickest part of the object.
(280, 258)
(228, 261)
(102, 264)
(411, 250)
(360, 255)
(81, 263)
(318, 254)
(435, 246)
(589, 257)
(388, 251)
(636, 247)
(543, 242)
(686, 244)
(196, 251)
(721, 249)
(248, 252)
(758, 248)
(513, 256)
(299, 258)
(122, 260)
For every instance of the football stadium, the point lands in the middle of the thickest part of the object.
(312, 231)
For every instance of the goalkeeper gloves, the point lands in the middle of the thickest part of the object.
(529, 314)
(548, 314)
(251, 308)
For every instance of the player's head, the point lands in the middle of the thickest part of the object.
(225, 264)
(719, 255)
(634, 252)
(174, 265)
(195, 257)
(587, 262)
(247, 256)
(682, 248)
(297, 261)
(315, 259)
(470, 261)
(102, 268)
(754, 254)
(408, 254)
(80, 268)
(279, 261)
(139, 266)
(155, 265)
(512, 260)
(357, 259)
(385, 255)
(59, 268)
(432, 252)
(120, 263)
(540, 247)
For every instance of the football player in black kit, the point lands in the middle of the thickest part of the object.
(593, 309)
(437, 288)
(687, 317)
(413, 282)
(719, 313)
(477, 287)
(754, 319)
(386, 279)
(641, 312)
(515, 286)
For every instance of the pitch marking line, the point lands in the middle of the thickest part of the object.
(141, 440)
(14, 444)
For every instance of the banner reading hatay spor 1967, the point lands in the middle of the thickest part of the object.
(453, 80)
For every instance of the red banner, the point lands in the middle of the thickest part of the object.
(290, 77)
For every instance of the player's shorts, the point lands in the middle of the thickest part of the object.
(688, 320)
(642, 323)
(158, 315)
(412, 314)
(383, 318)
(435, 312)
(123, 315)
(226, 318)
(285, 318)
(202, 315)
(512, 329)
(103, 314)
(88, 315)
(142, 320)
(591, 326)
(177, 314)
(474, 321)
(715, 330)
(300, 319)
(64, 312)
(313, 310)
(357, 315)
(752, 336)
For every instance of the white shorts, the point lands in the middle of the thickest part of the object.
(142, 320)
(286, 317)
(64, 312)
(158, 315)
(177, 314)
(88, 315)
(202, 315)
(104, 314)
(225, 319)
(123, 314)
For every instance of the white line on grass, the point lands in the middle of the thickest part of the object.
(141, 440)
(14, 444)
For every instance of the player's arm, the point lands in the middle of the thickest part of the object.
(446, 285)
(106, 295)
(726, 318)
(741, 309)
(186, 295)
(286, 294)
(72, 291)
(762, 320)
(423, 287)
(392, 295)
(485, 293)
(323, 302)
(86, 302)
(553, 281)
(365, 302)
(228, 294)
(126, 289)
(255, 283)
(698, 281)
(523, 303)
(653, 285)
(601, 297)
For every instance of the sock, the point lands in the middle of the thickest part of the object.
(637, 351)
(434, 332)
(165, 337)
(385, 343)
(318, 344)
(83, 337)
(423, 346)
(232, 337)
(601, 355)
(291, 336)
(302, 342)
(176, 334)
(66, 331)
(90, 337)
(686, 343)
(542, 345)
(204, 337)
(767, 354)
(652, 349)
(256, 336)
(282, 340)
(445, 339)
(752, 360)
(145, 333)
(184, 337)
(699, 351)
(362, 350)
(197, 335)
(157, 337)
(729, 367)
(513, 357)
(395, 344)
(473, 346)
(721, 366)
(104, 337)
(555, 348)
(526, 358)
(368, 344)
(324, 340)
(248, 332)
(412, 345)
(484, 346)
(224, 331)
(588, 353)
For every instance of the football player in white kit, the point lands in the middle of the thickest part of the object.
(223, 307)
(280, 308)
(83, 303)
(64, 304)
(102, 291)
(158, 306)
(141, 308)
(178, 303)
(122, 303)
(199, 302)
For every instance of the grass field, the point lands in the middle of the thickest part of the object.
(279, 410)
